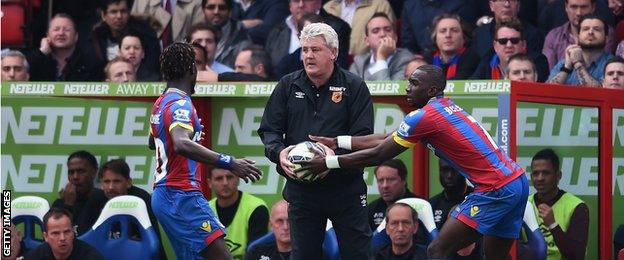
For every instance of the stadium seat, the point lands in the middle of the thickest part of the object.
(124, 210)
(535, 245)
(30, 211)
(13, 21)
(330, 245)
(425, 215)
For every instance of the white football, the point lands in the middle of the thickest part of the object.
(304, 152)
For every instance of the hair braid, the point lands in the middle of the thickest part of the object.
(176, 60)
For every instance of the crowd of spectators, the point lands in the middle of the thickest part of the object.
(378, 39)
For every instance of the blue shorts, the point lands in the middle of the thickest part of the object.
(187, 219)
(496, 213)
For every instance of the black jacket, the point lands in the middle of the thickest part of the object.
(81, 250)
(80, 67)
(296, 109)
(101, 34)
(278, 41)
(85, 210)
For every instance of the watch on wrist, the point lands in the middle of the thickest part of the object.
(566, 70)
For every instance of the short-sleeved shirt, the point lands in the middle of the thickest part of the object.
(596, 69)
(174, 109)
(455, 136)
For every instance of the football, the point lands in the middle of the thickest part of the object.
(304, 152)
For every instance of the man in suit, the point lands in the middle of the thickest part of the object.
(384, 61)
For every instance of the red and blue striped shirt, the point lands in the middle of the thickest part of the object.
(174, 109)
(455, 136)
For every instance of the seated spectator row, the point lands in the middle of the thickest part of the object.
(469, 39)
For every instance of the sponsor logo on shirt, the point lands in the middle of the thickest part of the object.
(299, 94)
(403, 129)
(182, 115)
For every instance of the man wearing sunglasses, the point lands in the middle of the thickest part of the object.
(504, 10)
(584, 62)
(508, 41)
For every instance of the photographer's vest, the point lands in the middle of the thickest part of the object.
(562, 211)
(236, 232)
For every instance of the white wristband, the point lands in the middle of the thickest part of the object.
(332, 162)
(344, 141)
(553, 226)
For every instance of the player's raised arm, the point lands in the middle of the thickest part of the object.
(353, 143)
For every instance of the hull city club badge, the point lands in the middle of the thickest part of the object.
(336, 93)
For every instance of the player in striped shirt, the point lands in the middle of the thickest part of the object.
(192, 227)
(494, 210)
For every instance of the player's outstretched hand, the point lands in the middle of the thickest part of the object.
(315, 167)
(246, 170)
(331, 142)
(286, 165)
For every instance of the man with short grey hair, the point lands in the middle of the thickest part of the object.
(321, 100)
(14, 66)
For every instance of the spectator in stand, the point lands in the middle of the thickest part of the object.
(391, 177)
(509, 40)
(207, 36)
(254, 60)
(520, 67)
(453, 53)
(401, 225)
(14, 66)
(357, 14)
(245, 217)
(252, 64)
(384, 61)
(584, 63)
(115, 178)
(284, 38)
(119, 70)
(505, 10)
(259, 16)
(173, 22)
(294, 61)
(417, 16)
(106, 36)
(280, 249)
(559, 38)
(416, 62)
(614, 73)
(132, 47)
(562, 217)
(84, 14)
(60, 239)
(200, 58)
(617, 9)
(79, 196)
(234, 37)
(59, 58)
(554, 14)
